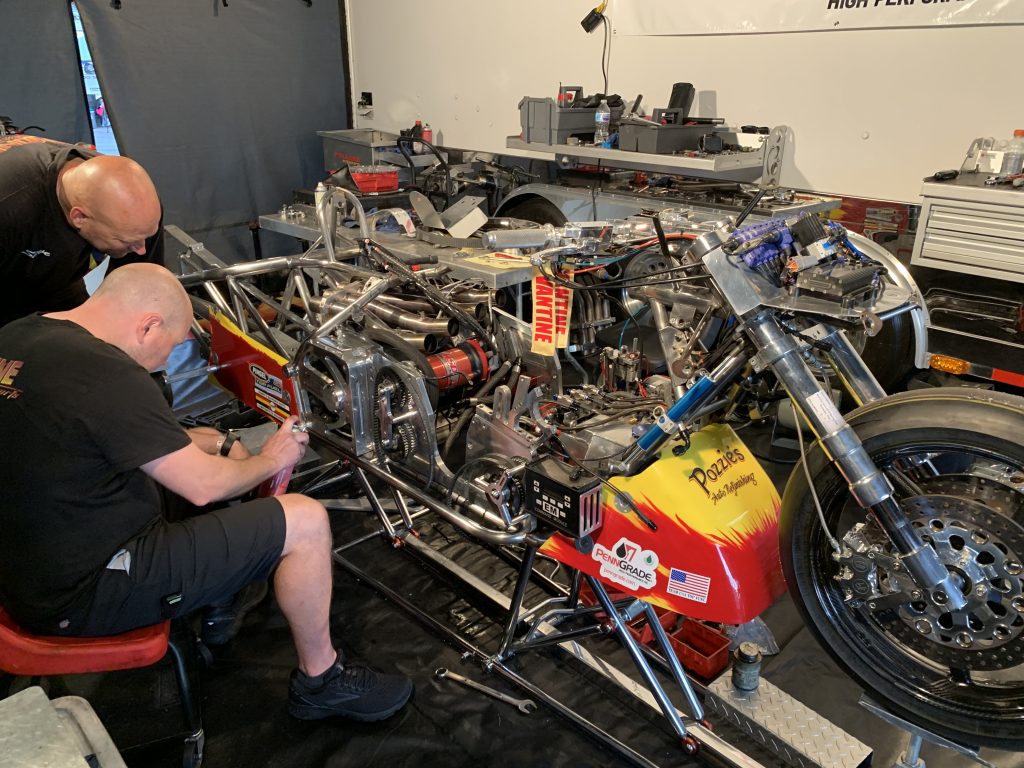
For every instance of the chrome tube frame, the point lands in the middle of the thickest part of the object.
(856, 377)
(514, 536)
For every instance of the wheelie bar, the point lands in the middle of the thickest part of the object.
(714, 748)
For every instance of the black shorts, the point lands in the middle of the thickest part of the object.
(178, 567)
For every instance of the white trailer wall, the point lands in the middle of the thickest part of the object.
(872, 111)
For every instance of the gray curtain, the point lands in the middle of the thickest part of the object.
(221, 104)
(40, 75)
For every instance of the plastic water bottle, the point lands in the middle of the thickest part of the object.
(602, 122)
(1013, 157)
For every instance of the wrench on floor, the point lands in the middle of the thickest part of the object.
(526, 706)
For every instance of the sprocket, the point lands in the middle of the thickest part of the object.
(401, 433)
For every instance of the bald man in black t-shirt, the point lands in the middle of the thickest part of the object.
(63, 209)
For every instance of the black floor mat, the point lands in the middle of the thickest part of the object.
(245, 690)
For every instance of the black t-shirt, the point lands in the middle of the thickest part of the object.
(42, 257)
(78, 417)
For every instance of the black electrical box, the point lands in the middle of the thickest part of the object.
(564, 496)
(844, 283)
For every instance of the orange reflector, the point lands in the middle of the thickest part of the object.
(948, 364)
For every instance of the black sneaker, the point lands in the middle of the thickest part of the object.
(222, 622)
(348, 689)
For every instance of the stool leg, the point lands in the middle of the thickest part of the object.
(180, 647)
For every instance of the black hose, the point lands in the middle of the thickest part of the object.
(388, 338)
(401, 141)
(662, 241)
(467, 414)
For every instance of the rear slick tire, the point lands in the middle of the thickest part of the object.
(958, 675)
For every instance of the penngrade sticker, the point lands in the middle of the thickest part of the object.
(628, 564)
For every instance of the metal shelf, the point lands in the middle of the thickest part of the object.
(725, 163)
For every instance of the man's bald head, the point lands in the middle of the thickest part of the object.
(111, 202)
(141, 309)
(136, 288)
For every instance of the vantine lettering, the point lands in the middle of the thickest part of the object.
(551, 312)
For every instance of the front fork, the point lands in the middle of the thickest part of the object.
(869, 487)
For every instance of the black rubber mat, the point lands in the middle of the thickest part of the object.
(245, 689)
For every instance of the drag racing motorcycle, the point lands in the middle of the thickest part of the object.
(900, 532)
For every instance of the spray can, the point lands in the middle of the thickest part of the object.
(277, 485)
(428, 134)
(417, 133)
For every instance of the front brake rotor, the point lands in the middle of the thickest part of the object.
(981, 547)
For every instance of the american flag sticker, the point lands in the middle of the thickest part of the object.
(692, 586)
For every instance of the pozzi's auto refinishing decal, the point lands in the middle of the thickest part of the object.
(628, 564)
(716, 515)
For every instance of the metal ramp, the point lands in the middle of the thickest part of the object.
(791, 731)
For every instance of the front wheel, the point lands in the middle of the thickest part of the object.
(956, 460)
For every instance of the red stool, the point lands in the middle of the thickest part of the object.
(27, 655)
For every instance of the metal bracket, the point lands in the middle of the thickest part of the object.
(919, 734)
(774, 151)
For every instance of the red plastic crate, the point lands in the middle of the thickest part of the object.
(701, 649)
(374, 178)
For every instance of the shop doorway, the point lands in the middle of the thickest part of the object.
(102, 131)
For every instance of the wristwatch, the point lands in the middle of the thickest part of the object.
(227, 440)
